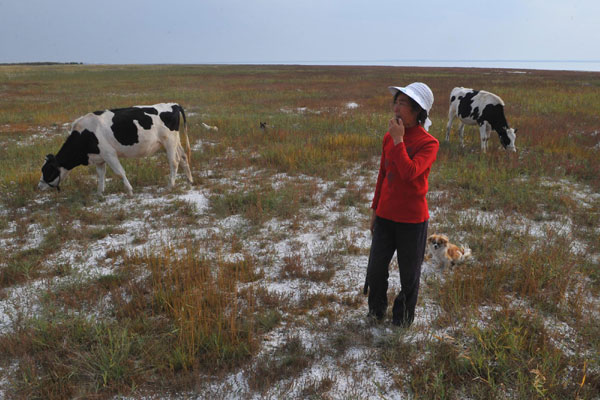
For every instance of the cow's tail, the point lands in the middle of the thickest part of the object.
(185, 133)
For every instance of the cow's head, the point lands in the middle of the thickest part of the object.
(508, 140)
(51, 173)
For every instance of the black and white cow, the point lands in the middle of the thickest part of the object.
(101, 137)
(478, 107)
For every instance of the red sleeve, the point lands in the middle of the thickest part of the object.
(407, 168)
(381, 176)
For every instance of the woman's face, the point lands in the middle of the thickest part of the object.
(403, 110)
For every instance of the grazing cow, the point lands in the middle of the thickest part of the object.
(101, 137)
(478, 107)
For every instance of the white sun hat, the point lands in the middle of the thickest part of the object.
(420, 93)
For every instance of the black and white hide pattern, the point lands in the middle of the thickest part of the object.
(485, 109)
(101, 137)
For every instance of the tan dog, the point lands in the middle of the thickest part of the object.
(445, 253)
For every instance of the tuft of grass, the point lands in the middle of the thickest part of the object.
(268, 320)
(110, 362)
(205, 308)
(20, 267)
(258, 205)
(288, 360)
(294, 268)
(68, 357)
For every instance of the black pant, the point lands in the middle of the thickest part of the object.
(408, 241)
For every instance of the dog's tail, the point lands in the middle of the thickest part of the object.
(466, 253)
(210, 128)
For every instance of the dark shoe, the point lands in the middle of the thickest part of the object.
(375, 318)
(401, 323)
(400, 315)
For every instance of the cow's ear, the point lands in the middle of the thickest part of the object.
(51, 159)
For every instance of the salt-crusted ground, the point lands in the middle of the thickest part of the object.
(357, 373)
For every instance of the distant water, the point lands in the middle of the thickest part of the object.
(558, 65)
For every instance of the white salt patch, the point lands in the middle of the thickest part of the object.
(563, 336)
(196, 198)
(233, 222)
(35, 236)
(20, 303)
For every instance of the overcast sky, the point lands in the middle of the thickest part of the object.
(283, 31)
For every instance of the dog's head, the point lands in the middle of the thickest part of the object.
(437, 241)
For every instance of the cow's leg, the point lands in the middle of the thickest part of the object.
(483, 136)
(461, 133)
(185, 162)
(449, 126)
(101, 171)
(488, 133)
(174, 158)
(113, 162)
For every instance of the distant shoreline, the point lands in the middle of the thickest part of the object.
(43, 63)
(549, 65)
(552, 65)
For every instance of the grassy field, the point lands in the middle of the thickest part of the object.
(248, 284)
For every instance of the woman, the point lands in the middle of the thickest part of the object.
(400, 214)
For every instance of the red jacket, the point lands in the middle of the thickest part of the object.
(402, 182)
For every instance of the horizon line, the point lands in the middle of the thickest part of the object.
(314, 61)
